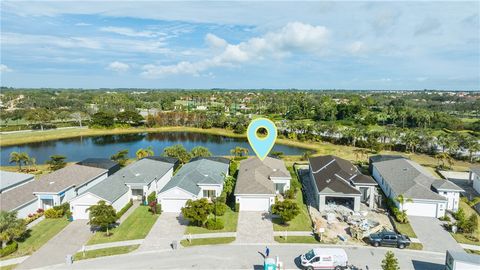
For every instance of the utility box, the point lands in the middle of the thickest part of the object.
(69, 259)
(269, 264)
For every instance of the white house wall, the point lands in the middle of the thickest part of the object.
(27, 209)
(453, 198)
(122, 201)
(175, 193)
(218, 189)
(282, 181)
(475, 178)
(164, 180)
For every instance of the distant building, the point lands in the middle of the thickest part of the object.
(475, 178)
(103, 163)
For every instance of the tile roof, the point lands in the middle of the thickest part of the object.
(336, 175)
(141, 172)
(199, 171)
(408, 178)
(10, 179)
(254, 175)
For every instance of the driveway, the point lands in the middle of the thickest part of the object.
(432, 235)
(254, 227)
(67, 242)
(168, 228)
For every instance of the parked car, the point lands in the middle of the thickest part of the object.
(388, 238)
(325, 258)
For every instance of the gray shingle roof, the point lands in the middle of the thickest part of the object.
(408, 178)
(254, 175)
(73, 175)
(200, 171)
(19, 196)
(141, 172)
(441, 184)
(462, 256)
(10, 179)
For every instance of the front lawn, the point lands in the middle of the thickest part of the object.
(136, 226)
(415, 246)
(297, 239)
(104, 252)
(37, 236)
(405, 229)
(301, 222)
(230, 219)
(207, 241)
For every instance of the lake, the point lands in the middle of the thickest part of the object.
(79, 148)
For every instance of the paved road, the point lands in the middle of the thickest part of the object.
(432, 235)
(68, 241)
(247, 257)
(168, 228)
(254, 227)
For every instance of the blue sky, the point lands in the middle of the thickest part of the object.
(308, 45)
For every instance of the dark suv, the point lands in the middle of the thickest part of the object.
(387, 238)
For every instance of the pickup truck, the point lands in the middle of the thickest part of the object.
(388, 238)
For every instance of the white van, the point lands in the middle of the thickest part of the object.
(325, 258)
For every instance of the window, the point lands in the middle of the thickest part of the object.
(209, 193)
(279, 187)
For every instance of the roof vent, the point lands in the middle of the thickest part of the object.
(405, 169)
(51, 183)
(137, 174)
(329, 180)
(275, 170)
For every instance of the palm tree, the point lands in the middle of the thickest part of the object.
(402, 200)
(11, 227)
(144, 152)
(19, 158)
(442, 157)
(239, 151)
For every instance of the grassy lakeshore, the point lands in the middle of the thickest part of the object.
(318, 148)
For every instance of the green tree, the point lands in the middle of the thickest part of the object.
(144, 152)
(177, 151)
(287, 210)
(19, 158)
(121, 157)
(11, 227)
(40, 116)
(197, 211)
(102, 215)
(103, 119)
(130, 117)
(239, 151)
(200, 151)
(390, 262)
(56, 162)
(402, 200)
(229, 184)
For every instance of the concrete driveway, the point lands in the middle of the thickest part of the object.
(432, 235)
(254, 227)
(67, 242)
(168, 228)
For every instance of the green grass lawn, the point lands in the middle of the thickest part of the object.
(472, 251)
(301, 222)
(9, 267)
(207, 241)
(136, 226)
(297, 239)
(404, 229)
(230, 219)
(415, 246)
(104, 252)
(37, 236)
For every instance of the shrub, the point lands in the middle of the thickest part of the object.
(40, 210)
(290, 193)
(124, 209)
(152, 197)
(287, 210)
(214, 225)
(159, 208)
(445, 218)
(9, 249)
(237, 207)
(53, 213)
(219, 208)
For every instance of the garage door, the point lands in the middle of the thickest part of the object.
(173, 205)
(80, 212)
(254, 204)
(422, 209)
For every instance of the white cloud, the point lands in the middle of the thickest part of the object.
(82, 24)
(118, 66)
(293, 37)
(128, 32)
(5, 68)
(215, 41)
(357, 47)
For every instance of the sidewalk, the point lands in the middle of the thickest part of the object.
(209, 235)
(113, 244)
(125, 215)
(13, 261)
(471, 247)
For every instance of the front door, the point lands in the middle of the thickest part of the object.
(47, 203)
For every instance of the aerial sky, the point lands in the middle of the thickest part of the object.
(280, 45)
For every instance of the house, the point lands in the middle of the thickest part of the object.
(201, 177)
(259, 182)
(425, 195)
(103, 163)
(174, 161)
(461, 260)
(11, 180)
(136, 181)
(475, 178)
(338, 181)
(52, 189)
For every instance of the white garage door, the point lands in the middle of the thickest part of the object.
(80, 212)
(173, 205)
(254, 204)
(422, 209)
